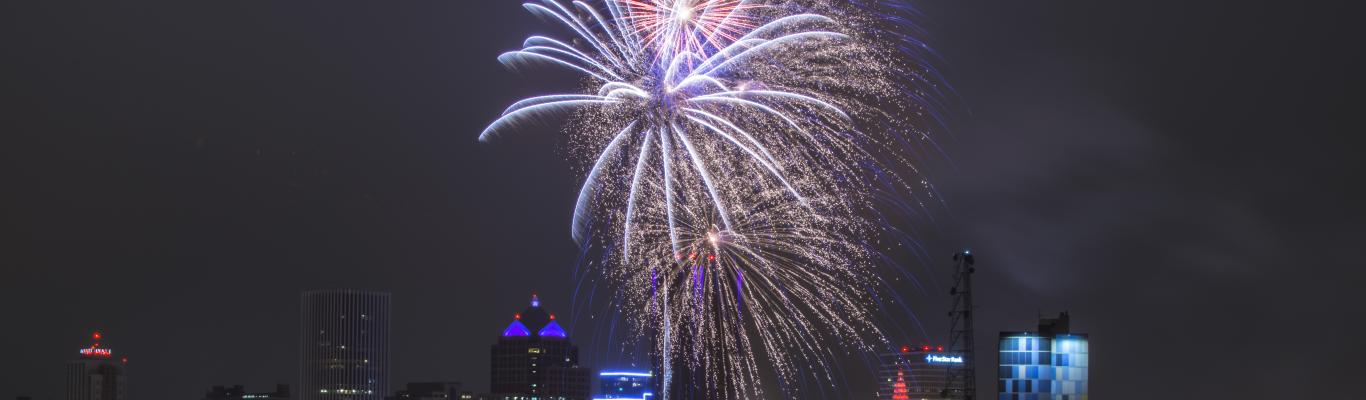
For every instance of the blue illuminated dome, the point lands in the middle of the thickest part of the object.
(552, 330)
(535, 322)
(516, 329)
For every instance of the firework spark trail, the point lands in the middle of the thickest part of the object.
(728, 187)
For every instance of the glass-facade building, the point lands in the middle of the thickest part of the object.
(1050, 364)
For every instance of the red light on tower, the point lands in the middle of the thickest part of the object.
(517, 316)
(905, 349)
(940, 348)
(552, 317)
(95, 350)
(925, 348)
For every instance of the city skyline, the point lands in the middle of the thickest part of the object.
(331, 320)
(176, 173)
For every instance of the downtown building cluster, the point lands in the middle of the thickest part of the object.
(345, 339)
(344, 354)
(1049, 363)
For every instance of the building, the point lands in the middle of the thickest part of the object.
(97, 375)
(1048, 364)
(916, 372)
(429, 391)
(344, 345)
(238, 392)
(534, 360)
(625, 385)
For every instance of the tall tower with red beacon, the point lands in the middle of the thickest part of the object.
(97, 374)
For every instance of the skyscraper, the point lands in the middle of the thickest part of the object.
(534, 360)
(96, 375)
(344, 345)
(1049, 364)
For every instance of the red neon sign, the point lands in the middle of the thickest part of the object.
(97, 352)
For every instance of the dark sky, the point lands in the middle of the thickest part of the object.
(1181, 175)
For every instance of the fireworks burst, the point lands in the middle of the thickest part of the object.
(674, 27)
(735, 152)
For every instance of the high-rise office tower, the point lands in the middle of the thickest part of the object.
(534, 359)
(97, 374)
(344, 345)
(1048, 364)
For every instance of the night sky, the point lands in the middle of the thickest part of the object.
(1180, 175)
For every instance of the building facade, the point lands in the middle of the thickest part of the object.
(1048, 364)
(239, 392)
(97, 374)
(429, 391)
(534, 360)
(344, 345)
(625, 385)
(915, 372)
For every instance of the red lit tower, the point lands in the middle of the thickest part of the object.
(899, 388)
(97, 375)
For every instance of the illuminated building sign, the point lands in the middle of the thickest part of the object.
(631, 374)
(97, 352)
(943, 359)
